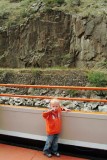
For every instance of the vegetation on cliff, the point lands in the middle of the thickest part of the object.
(16, 11)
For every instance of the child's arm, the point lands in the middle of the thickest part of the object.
(65, 109)
(47, 113)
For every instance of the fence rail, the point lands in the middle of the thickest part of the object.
(54, 87)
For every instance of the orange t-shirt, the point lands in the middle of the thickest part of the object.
(53, 121)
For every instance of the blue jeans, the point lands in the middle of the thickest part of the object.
(51, 145)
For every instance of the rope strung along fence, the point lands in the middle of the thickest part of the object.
(54, 87)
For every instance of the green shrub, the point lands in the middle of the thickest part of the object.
(60, 1)
(73, 2)
(50, 2)
(97, 79)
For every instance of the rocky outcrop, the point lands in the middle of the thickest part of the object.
(55, 38)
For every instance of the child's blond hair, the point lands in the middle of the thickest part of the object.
(54, 101)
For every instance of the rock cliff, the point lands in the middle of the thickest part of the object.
(55, 38)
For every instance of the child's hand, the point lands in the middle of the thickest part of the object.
(67, 110)
(52, 109)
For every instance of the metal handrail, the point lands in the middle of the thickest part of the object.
(51, 97)
(54, 87)
(48, 86)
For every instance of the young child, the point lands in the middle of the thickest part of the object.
(53, 127)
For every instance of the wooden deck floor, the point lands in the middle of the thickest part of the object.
(8, 152)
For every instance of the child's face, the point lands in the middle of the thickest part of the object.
(55, 106)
